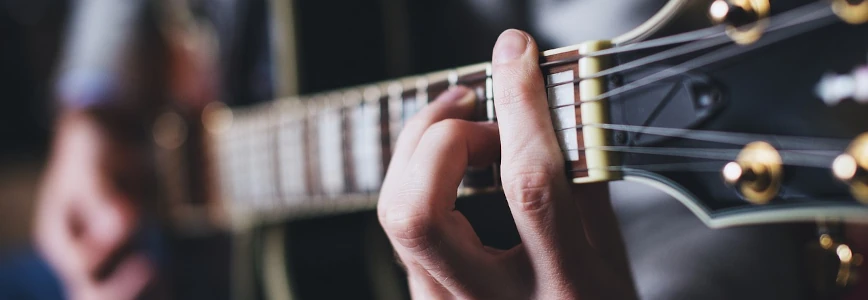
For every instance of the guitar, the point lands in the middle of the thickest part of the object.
(757, 119)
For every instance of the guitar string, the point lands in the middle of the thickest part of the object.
(788, 157)
(802, 157)
(706, 166)
(786, 15)
(649, 45)
(611, 92)
(685, 167)
(795, 148)
(716, 37)
(685, 37)
(712, 57)
(727, 137)
(802, 151)
(702, 39)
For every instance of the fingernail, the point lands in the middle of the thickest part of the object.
(510, 45)
(468, 98)
(459, 95)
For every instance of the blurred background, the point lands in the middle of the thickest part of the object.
(32, 35)
(340, 43)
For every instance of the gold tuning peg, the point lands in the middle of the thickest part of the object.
(756, 173)
(746, 19)
(851, 11)
(852, 167)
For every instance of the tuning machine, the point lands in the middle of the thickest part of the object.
(756, 173)
(852, 167)
(745, 19)
(851, 11)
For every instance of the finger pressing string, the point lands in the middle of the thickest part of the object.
(457, 102)
(417, 211)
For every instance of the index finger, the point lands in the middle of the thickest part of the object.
(532, 168)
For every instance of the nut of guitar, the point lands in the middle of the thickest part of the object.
(578, 107)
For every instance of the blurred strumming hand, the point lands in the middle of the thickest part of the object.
(84, 221)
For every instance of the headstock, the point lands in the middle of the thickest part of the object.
(731, 120)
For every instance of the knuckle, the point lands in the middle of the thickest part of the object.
(445, 129)
(445, 135)
(407, 225)
(426, 118)
(414, 130)
(530, 188)
(418, 123)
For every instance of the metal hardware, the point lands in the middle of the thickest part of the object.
(746, 19)
(853, 12)
(756, 172)
(852, 167)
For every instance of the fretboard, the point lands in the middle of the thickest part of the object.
(327, 153)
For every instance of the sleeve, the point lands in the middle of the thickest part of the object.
(100, 31)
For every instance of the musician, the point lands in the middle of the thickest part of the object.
(571, 243)
(86, 214)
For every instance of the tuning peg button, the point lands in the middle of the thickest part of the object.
(852, 167)
(756, 173)
(851, 11)
(745, 19)
(722, 11)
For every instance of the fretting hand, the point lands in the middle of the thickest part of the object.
(571, 247)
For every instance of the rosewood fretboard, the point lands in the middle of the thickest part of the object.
(327, 153)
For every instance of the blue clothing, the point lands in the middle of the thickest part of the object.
(24, 275)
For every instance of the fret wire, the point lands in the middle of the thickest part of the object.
(272, 141)
(311, 142)
(247, 172)
(385, 135)
(395, 109)
(266, 123)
